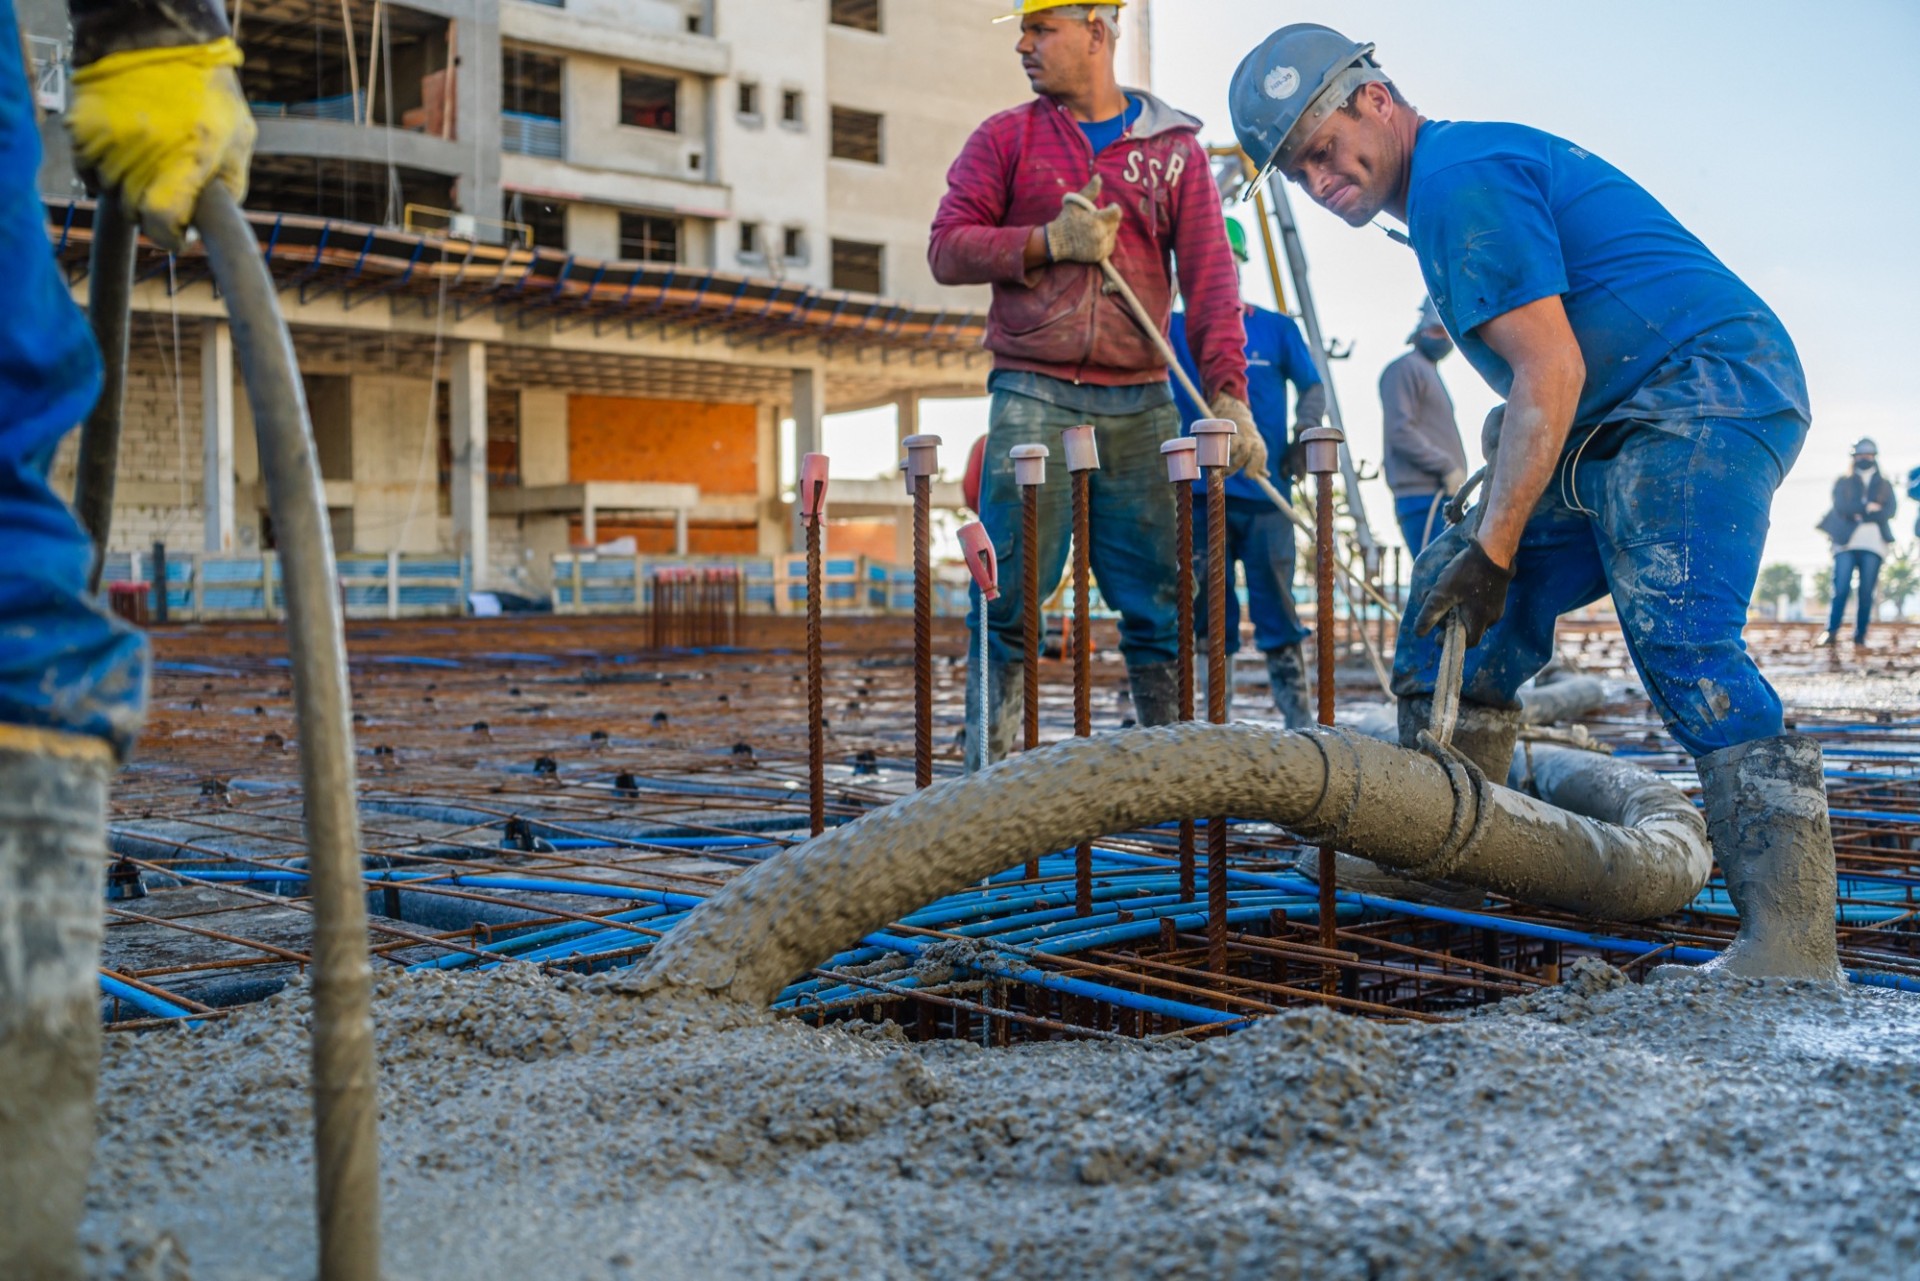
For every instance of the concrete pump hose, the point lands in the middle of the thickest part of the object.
(109, 313)
(1641, 854)
(345, 1112)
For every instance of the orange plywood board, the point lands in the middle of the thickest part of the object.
(686, 442)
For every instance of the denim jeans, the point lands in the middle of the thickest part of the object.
(1672, 523)
(65, 663)
(1420, 519)
(1131, 522)
(1845, 565)
(1261, 539)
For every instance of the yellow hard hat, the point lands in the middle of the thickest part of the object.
(1021, 8)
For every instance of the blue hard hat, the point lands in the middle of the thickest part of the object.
(1293, 80)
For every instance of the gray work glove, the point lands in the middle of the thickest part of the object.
(1249, 449)
(1080, 234)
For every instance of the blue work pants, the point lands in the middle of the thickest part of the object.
(1260, 539)
(1845, 566)
(65, 663)
(1672, 523)
(1131, 522)
(1421, 519)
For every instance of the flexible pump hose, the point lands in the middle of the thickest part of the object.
(1639, 851)
(346, 1153)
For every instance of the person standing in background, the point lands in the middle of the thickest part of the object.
(1423, 457)
(1259, 537)
(1861, 527)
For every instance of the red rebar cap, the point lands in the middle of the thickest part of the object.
(1182, 461)
(977, 549)
(813, 485)
(1082, 453)
(1214, 440)
(1029, 464)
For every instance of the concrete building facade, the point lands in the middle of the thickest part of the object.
(557, 272)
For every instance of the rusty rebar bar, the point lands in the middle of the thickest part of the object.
(1031, 605)
(922, 632)
(816, 694)
(1183, 593)
(1082, 673)
(1323, 607)
(1219, 685)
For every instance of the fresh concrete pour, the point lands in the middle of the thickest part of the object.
(558, 1128)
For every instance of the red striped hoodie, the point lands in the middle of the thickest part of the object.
(1056, 320)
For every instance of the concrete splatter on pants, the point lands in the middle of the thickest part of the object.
(1671, 519)
(1132, 522)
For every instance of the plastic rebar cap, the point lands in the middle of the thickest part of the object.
(1323, 449)
(1082, 453)
(982, 563)
(906, 475)
(813, 485)
(1182, 463)
(1213, 441)
(923, 455)
(1029, 464)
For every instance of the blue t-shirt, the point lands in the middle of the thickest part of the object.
(1276, 355)
(1102, 132)
(1502, 215)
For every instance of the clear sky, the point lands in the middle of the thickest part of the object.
(1780, 133)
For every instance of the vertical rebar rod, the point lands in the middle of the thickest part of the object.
(816, 695)
(1323, 606)
(1183, 592)
(922, 632)
(1082, 674)
(1030, 648)
(1219, 683)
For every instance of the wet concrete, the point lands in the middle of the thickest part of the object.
(555, 1129)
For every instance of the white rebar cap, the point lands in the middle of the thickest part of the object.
(1029, 464)
(1182, 463)
(1082, 453)
(1213, 441)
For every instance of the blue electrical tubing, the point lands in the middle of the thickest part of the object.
(146, 1001)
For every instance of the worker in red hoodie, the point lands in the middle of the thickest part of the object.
(1066, 352)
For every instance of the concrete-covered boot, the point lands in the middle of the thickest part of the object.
(1484, 735)
(1767, 821)
(1004, 713)
(53, 805)
(1287, 679)
(1156, 692)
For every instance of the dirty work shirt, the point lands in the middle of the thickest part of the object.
(1501, 215)
(65, 663)
(1104, 133)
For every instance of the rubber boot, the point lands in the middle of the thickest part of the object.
(1767, 820)
(1287, 680)
(53, 805)
(1484, 735)
(1004, 714)
(1156, 692)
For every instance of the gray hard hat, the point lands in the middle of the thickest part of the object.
(1429, 317)
(1291, 82)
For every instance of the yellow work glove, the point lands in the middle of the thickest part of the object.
(160, 124)
(1249, 448)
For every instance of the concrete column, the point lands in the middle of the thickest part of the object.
(907, 406)
(809, 409)
(476, 42)
(216, 434)
(467, 404)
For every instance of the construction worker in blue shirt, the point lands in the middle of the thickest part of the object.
(1653, 403)
(156, 112)
(1259, 537)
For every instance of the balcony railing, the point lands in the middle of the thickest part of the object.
(344, 108)
(532, 135)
